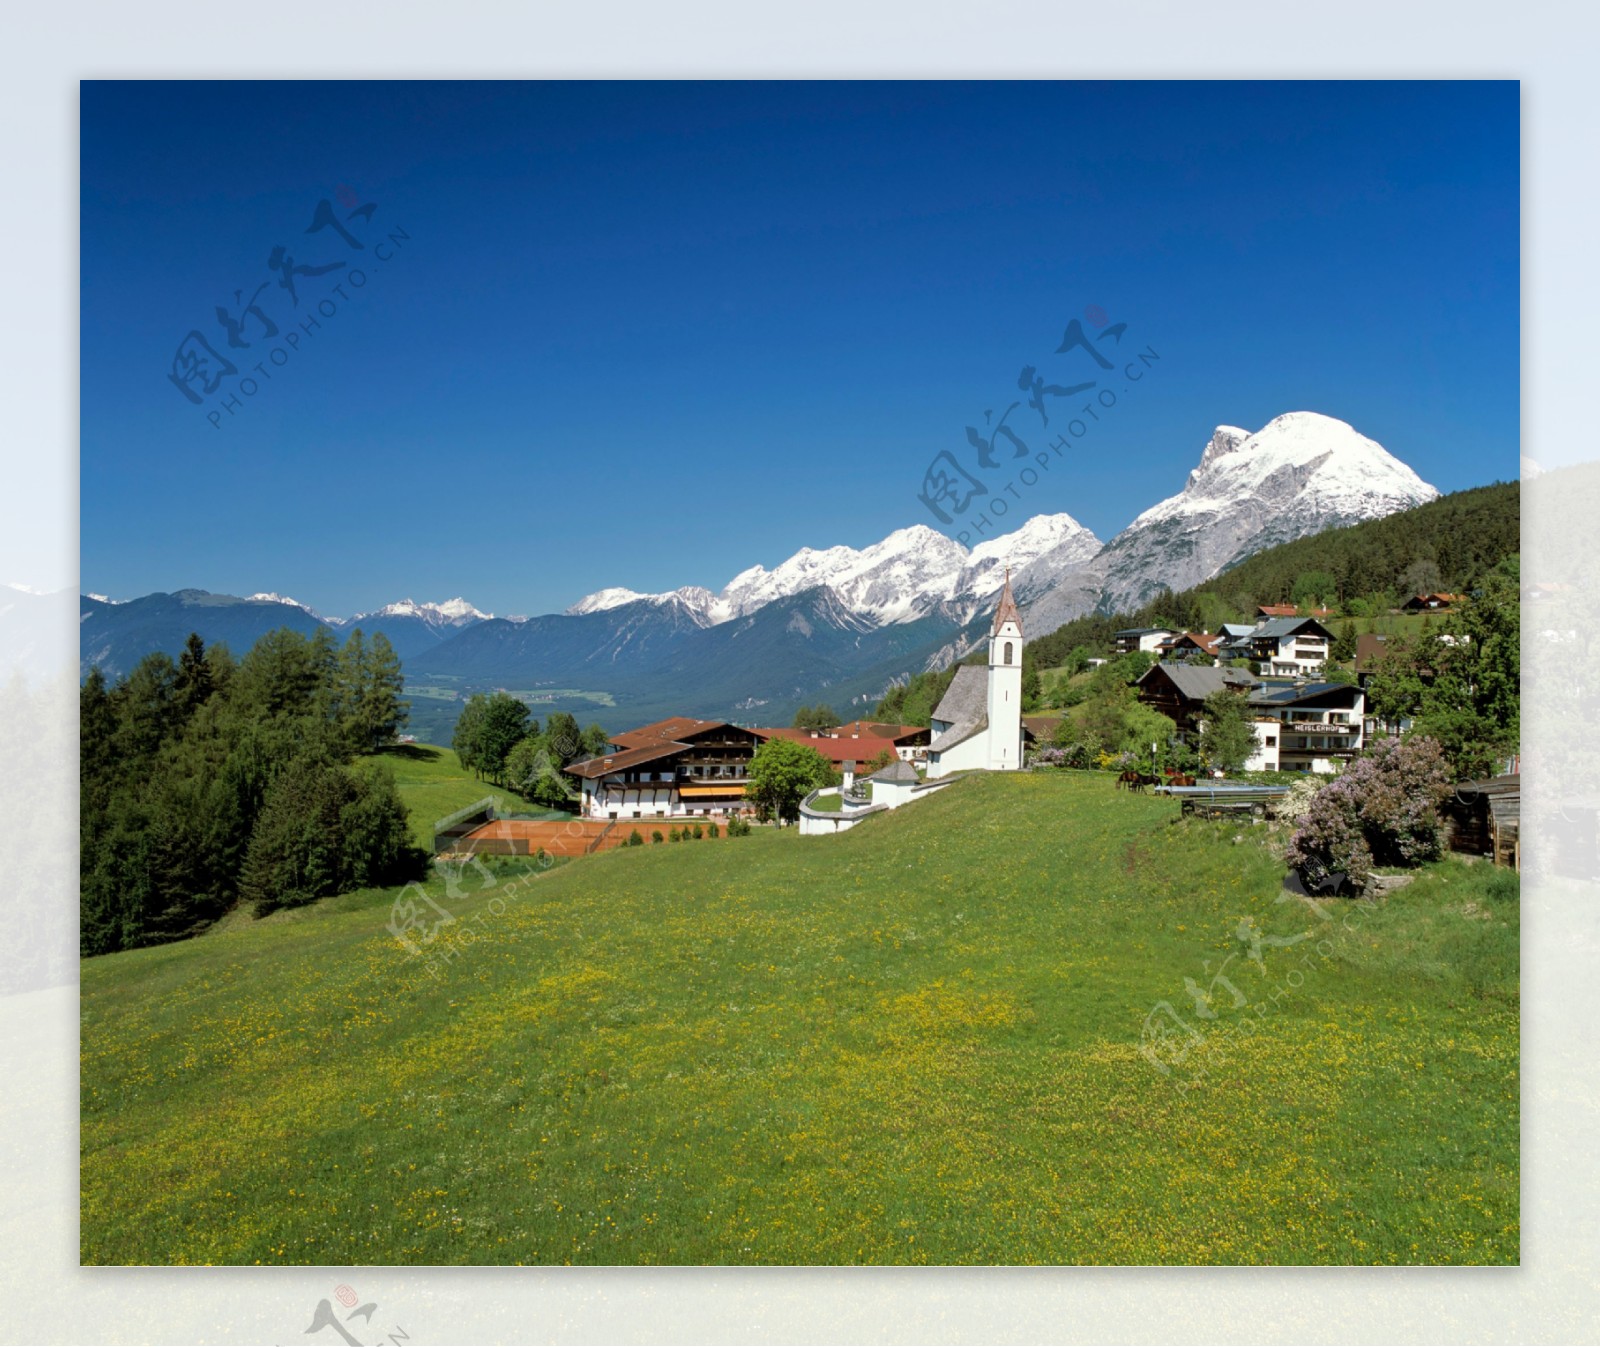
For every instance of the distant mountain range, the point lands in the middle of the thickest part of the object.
(837, 624)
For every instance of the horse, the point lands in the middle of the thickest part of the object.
(1128, 781)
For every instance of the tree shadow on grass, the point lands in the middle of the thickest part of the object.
(411, 752)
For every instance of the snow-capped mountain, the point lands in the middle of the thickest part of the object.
(455, 612)
(270, 597)
(839, 622)
(413, 627)
(899, 579)
(1300, 474)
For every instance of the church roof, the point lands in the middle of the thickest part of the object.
(960, 733)
(1007, 611)
(898, 770)
(966, 698)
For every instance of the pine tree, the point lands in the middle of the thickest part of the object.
(382, 710)
(193, 686)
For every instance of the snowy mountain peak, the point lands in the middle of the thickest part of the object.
(1224, 440)
(268, 596)
(1301, 473)
(603, 599)
(1324, 465)
(896, 579)
(455, 611)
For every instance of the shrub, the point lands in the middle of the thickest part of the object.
(672, 835)
(634, 840)
(713, 831)
(738, 826)
(655, 834)
(699, 832)
(1384, 810)
(1291, 808)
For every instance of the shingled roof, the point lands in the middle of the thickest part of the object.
(1278, 627)
(967, 697)
(1199, 681)
(1007, 611)
(959, 734)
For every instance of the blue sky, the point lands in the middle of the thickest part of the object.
(649, 334)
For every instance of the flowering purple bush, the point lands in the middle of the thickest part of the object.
(1073, 755)
(1384, 810)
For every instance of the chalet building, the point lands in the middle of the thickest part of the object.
(1309, 727)
(1141, 638)
(673, 767)
(1290, 646)
(1040, 729)
(1370, 648)
(1431, 603)
(1268, 610)
(1188, 644)
(1179, 691)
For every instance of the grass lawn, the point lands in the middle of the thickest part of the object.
(433, 783)
(827, 803)
(918, 1041)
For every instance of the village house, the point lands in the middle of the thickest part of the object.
(1141, 638)
(909, 742)
(1290, 646)
(1299, 727)
(1188, 644)
(1268, 610)
(1179, 691)
(677, 766)
(1430, 603)
(1370, 648)
(860, 749)
(1306, 727)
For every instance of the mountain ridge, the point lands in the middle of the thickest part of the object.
(837, 620)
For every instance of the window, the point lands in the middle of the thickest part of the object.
(1007, 659)
(1272, 741)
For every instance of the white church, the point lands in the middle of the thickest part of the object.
(978, 723)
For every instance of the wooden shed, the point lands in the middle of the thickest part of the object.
(1483, 818)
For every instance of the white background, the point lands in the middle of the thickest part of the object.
(48, 1298)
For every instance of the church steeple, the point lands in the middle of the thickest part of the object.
(1005, 684)
(1007, 611)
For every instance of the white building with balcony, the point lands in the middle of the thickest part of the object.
(1310, 727)
(1290, 647)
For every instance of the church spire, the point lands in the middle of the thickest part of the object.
(1007, 611)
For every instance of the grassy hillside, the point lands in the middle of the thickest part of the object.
(433, 783)
(917, 1042)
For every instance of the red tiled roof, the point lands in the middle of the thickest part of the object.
(1204, 639)
(875, 729)
(661, 731)
(835, 750)
(1289, 610)
(628, 757)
